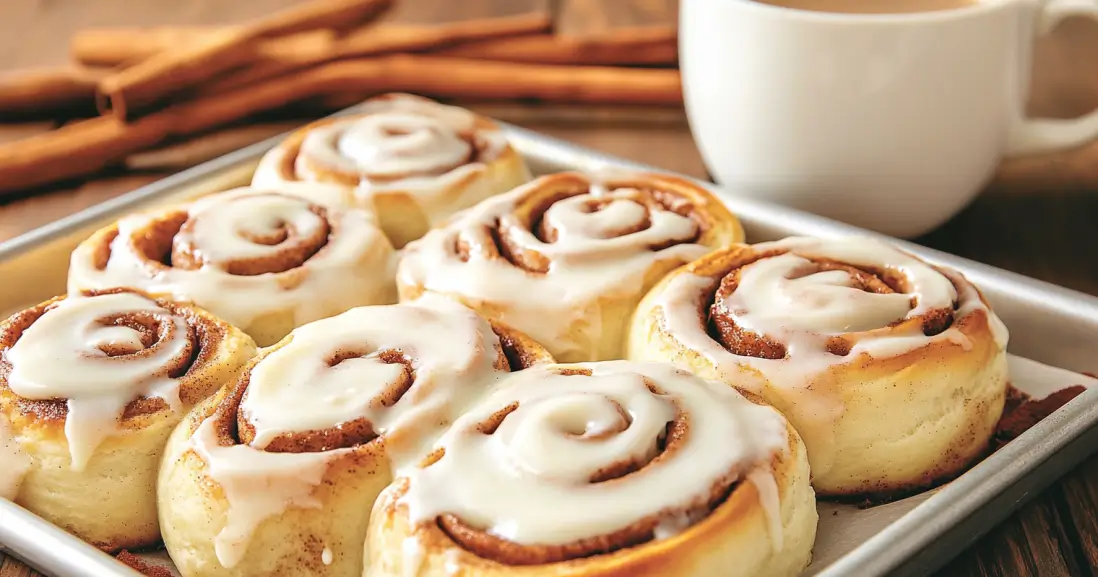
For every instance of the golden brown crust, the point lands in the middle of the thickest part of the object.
(936, 402)
(205, 333)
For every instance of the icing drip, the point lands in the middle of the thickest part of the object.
(407, 369)
(82, 350)
(452, 562)
(326, 556)
(529, 480)
(592, 247)
(257, 485)
(15, 462)
(414, 557)
(320, 263)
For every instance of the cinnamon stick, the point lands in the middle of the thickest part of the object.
(655, 45)
(119, 46)
(48, 93)
(85, 147)
(280, 58)
(152, 80)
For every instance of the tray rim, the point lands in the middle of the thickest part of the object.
(909, 536)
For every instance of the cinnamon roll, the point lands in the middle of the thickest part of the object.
(90, 388)
(606, 468)
(567, 257)
(411, 159)
(276, 475)
(266, 260)
(894, 371)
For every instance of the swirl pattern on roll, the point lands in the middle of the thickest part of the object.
(818, 302)
(845, 336)
(395, 137)
(330, 389)
(95, 359)
(409, 158)
(568, 461)
(282, 257)
(566, 256)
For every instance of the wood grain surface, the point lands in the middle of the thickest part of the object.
(1038, 218)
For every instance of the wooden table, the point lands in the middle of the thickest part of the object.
(1047, 233)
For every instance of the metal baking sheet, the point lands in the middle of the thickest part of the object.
(1054, 332)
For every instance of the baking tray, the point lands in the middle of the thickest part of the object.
(1054, 332)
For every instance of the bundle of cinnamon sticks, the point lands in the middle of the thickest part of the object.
(133, 89)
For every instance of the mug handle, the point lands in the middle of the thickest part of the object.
(1036, 135)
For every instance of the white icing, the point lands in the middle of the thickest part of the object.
(221, 231)
(14, 463)
(352, 268)
(385, 145)
(256, 485)
(592, 258)
(61, 356)
(452, 351)
(326, 556)
(399, 143)
(529, 481)
(452, 562)
(414, 555)
(801, 312)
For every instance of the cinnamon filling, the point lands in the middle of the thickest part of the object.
(532, 216)
(234, 427)
(500, 550)
(347, 434)
(167, 243)
(723, 328)
(288, 167)
(295, 246)
(154, 330)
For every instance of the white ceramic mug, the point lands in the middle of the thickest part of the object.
(893, 122)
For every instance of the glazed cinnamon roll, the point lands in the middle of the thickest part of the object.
(266, 260)
(411, 159)
(90, 388)
(893, 370)
(606, 468)
(276, 475)
(567, 257)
